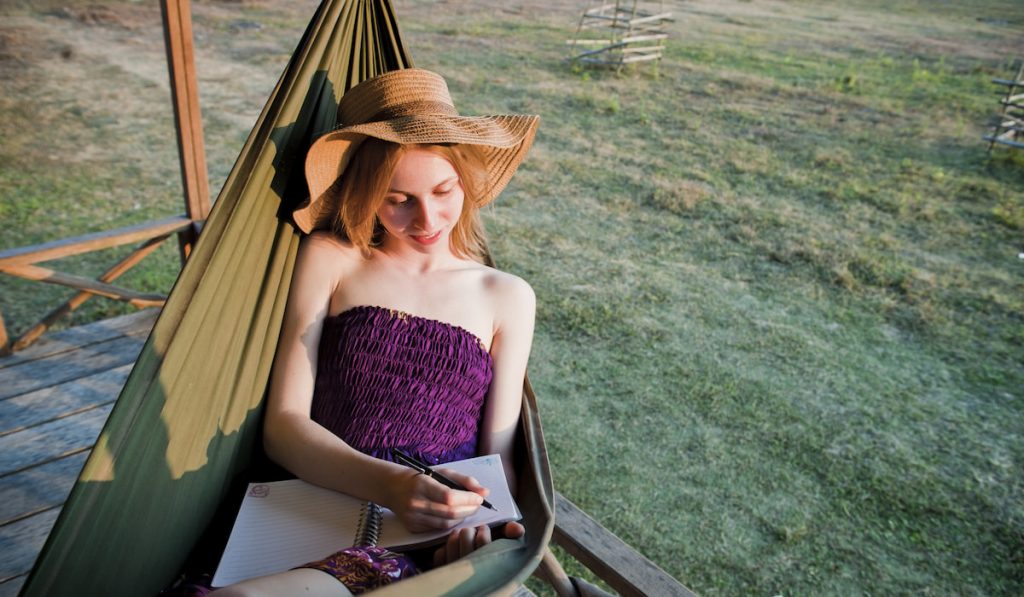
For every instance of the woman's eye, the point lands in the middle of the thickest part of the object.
(396, 200)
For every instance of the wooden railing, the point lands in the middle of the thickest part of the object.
(22, 262)
(625, 570)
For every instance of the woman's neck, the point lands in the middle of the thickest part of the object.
(416, 262)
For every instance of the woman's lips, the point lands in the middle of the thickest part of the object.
(427, 239)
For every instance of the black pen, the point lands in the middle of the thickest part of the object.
(412, 463)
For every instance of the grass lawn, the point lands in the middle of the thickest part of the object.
(780, 337)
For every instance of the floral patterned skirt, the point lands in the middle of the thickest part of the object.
(363, 569)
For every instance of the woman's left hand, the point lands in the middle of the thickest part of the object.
(465, 541)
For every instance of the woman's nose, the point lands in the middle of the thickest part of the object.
(425, 216)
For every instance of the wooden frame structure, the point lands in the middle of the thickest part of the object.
(626, 32)
(1009, 129)
(22, 262)
(103, 352)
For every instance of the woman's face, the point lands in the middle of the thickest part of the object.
(423, 202)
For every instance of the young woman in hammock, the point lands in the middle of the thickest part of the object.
(395, 334)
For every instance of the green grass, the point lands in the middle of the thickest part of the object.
(780, 336)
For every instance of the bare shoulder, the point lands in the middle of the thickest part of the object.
(326, 252)
(324, 243)
(322, 262)
(513, 297)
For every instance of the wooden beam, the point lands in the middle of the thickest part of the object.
(665, 16)
(588, 42)
(30, 335)
(599, 9)
(1017, 144)
(45, 274)
(640, 58)
(626, 570)
(92, 242)
(177, 21)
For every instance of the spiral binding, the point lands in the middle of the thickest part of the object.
(370, 520)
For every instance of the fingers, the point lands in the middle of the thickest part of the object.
(443, 501)
(451, 547)
(463, 542)
(483, 536)
(514, 530)
(470, 483)
(418, 522)
(430, 505)
(467, 537)
(449, 504)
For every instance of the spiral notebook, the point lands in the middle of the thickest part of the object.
(285, 524)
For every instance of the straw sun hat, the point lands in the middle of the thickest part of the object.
(410, 106)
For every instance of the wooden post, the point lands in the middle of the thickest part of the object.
(177, 19)
(551, 571)
(5, 343)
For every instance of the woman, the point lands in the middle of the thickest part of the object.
(395, 334)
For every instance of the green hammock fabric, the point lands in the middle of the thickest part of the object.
(188, 419)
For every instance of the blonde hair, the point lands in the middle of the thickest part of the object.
(364, 184)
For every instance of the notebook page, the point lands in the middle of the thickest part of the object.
(286, 524)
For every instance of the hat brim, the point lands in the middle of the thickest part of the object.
(504, 141)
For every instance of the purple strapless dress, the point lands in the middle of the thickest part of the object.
(387, 379)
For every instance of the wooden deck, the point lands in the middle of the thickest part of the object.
(54, 398)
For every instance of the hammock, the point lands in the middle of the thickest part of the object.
(188, 419)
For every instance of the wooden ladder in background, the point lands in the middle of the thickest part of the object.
(626, 32)
(1009, 129)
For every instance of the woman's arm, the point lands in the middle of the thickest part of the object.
(515, 305)
(310, 451)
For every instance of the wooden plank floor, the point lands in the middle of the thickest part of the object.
(54, 398)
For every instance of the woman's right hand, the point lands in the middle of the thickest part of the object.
(423, 504)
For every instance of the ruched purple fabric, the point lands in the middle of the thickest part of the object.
(387, 379)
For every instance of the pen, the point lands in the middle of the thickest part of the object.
(412, 463)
